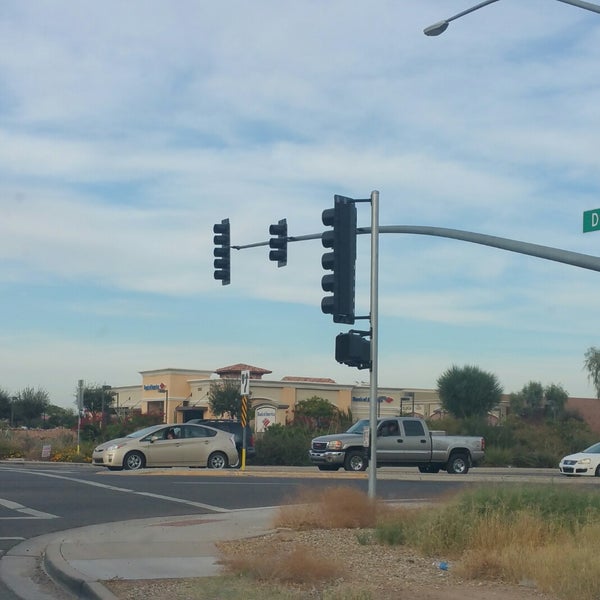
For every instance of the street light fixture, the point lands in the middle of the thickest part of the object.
(441, 26)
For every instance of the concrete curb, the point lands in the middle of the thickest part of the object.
(64, 574)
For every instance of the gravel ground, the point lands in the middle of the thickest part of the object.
(366, 570)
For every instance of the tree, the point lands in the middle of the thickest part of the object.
(468, 391)
(592, 365)
(534, 399)
(30, 405)
(224, 398)
(529, 400)
(57, 416)
(556, 399)
(320, 413)
(97, 399)
(5, 401)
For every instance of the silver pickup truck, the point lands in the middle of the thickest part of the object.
(401, 441)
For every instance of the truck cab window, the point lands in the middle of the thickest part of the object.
(413, 428)
(389, 428)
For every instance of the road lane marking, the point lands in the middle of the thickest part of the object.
(31, 512)
(113, 488)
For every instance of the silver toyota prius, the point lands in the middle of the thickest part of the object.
(174, 445)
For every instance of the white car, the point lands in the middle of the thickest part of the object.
(582, 463)
(175, 445)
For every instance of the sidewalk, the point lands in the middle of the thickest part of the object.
(156, 548)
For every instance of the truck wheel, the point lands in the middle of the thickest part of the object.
(355, 461)
(458, 464)
(328, 467)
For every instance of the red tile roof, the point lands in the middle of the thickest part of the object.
(255, 372)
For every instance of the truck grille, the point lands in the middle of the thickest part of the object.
(319, 445)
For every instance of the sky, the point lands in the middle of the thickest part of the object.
(127, 129)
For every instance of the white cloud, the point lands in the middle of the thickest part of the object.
(129, 129)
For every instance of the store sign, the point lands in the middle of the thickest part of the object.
(155, 387)
(265, 417)
(380, 399)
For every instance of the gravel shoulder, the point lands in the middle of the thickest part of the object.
(366, 571)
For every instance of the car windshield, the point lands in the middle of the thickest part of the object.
(358, 426)
(142, 432)
(595, 449)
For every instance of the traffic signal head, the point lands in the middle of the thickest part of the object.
(279, 243)
(341, 260)
(222, 252)
(353, 349)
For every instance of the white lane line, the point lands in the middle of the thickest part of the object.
(33, 514)
(216, 509)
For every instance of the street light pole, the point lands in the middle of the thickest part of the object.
(374, 318)
(441, 26)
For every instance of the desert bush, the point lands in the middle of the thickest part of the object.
(299, 565)
(283, 445)
(331, 508)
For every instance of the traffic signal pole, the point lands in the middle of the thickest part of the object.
(350, 345)
(374, 322)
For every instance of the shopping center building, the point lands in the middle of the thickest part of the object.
(182, 394)
(178, 395)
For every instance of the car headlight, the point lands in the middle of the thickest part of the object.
(115, 447)
(584, 461)
(335, 445)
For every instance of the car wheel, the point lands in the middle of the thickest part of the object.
(597, 473)
(458, 464)
(328, 467)
(134, 461)
(355, 461)
(217, 460)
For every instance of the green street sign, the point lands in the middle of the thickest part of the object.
(591, 220)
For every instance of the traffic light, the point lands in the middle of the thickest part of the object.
(353, 349)
(342, 260)
(279, 243)
(222, 252)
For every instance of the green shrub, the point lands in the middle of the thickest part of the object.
(283, 445)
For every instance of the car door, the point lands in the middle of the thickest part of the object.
(416, 443)
(198, 444)
(165, 452)
(389, 441)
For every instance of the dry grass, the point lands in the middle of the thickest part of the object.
(298, 565)
(333, 508)
(565, 564)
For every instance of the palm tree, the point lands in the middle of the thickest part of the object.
(592, 366)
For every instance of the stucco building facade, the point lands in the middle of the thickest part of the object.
(182, 394)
